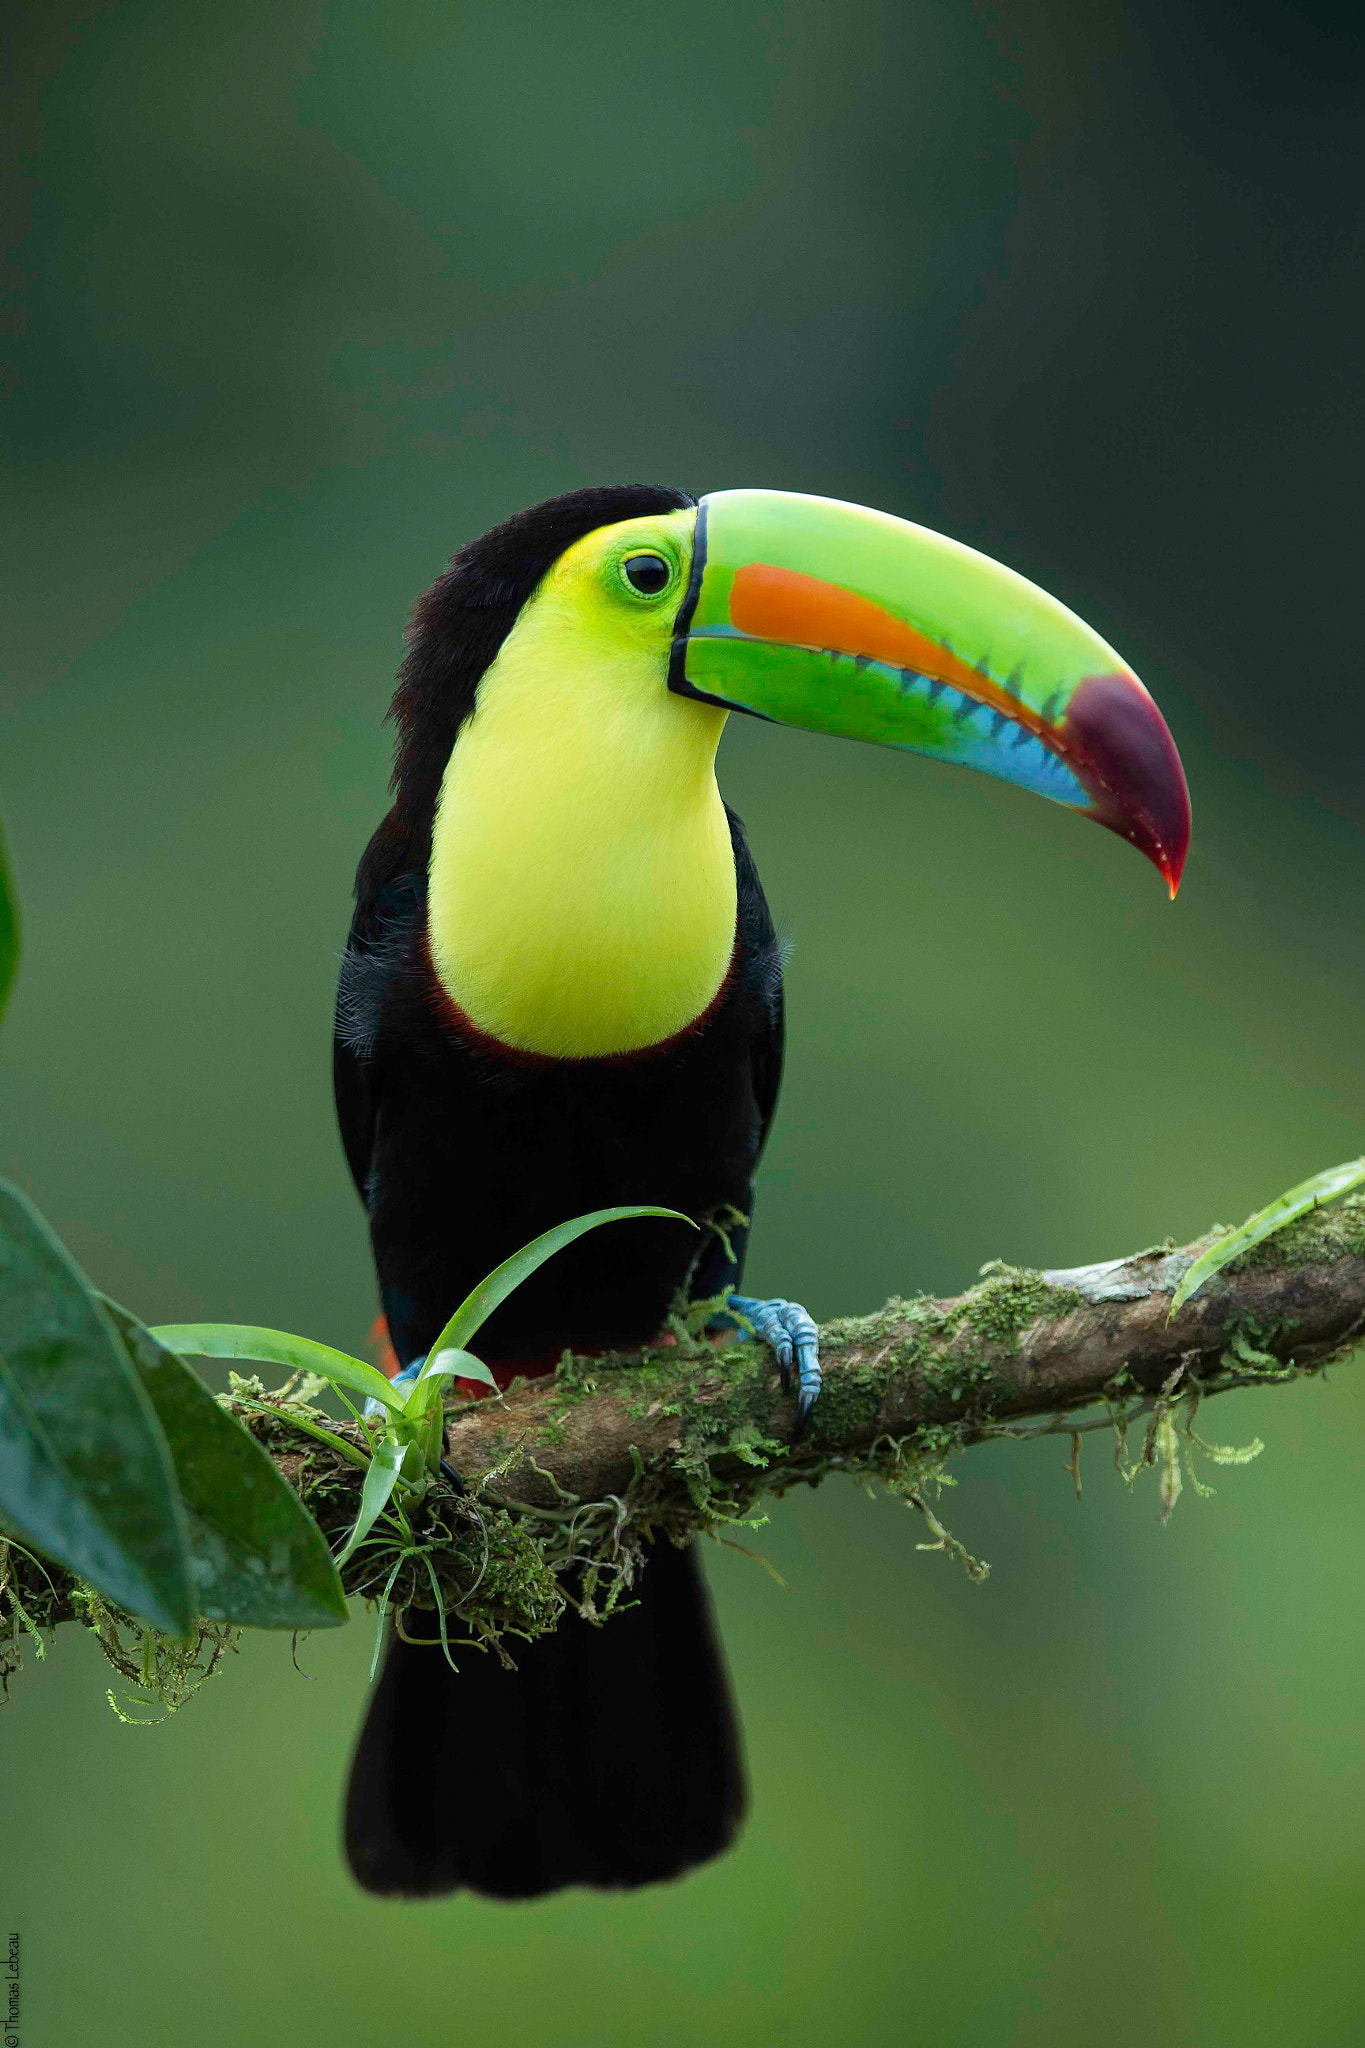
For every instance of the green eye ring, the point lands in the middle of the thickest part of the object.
(646, 573)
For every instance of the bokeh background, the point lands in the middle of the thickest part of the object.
(305, 293)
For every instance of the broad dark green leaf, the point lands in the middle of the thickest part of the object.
(257, 1557)
(86, 1476)
(9, 929)
(479, 1305)
(1309, 1194)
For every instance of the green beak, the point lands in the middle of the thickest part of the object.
(838, 619)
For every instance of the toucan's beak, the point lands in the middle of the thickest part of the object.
(829, 616)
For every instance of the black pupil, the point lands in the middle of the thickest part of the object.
(647, 573)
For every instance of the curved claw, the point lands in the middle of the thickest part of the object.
(790, 1333)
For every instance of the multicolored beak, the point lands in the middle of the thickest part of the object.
(829, 616)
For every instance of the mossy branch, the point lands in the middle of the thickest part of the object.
(1018, 1346)
(570, 1476)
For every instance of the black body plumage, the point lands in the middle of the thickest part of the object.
(610, 1756)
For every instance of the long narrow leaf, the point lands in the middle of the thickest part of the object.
(310, 1428)
(277, 1347)
(86, 1475)
(257, 1557)
(1309, 1194)
(380, 1480)
(9, 930)
(476, 1307)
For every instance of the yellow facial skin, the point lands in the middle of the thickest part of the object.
(581, 895)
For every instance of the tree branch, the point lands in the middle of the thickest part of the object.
(1019, 1345)
(581, 1469)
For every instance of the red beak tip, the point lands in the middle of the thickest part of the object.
(1125, 755)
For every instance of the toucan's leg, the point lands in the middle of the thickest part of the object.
(787, 1329)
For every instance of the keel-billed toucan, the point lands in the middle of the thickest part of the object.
(562, 992)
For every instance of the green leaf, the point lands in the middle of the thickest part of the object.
(445, 1365)
(257, 1557)
(1309, 1194)
(380, 1480)
(86, 1475)
(277, 1347)
(9, 930)
(477, 1307)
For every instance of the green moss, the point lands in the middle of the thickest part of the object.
(1245, 1354)
(164, 1671)
(28, 1611)
(1010, 1300)
(957, 1376)
(870, 1331)
(913, 1467)
(491, 1570)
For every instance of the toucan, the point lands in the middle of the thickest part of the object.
(562, 992)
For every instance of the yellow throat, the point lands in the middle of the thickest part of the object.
(581, 897)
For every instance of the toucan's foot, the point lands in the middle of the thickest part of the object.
(792, 1336)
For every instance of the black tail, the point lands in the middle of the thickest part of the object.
(609, 1757)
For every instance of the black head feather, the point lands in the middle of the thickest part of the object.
(457, 628)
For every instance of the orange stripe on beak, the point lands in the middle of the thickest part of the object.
(803, 611)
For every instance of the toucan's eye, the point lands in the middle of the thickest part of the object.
(649, 574)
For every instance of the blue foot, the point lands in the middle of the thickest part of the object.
(785, 1327)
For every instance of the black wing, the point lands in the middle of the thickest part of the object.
(387, 898)
(354, 1089)
(760, 963)
(764, 952)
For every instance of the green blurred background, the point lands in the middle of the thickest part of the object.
(308, 292)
